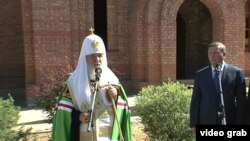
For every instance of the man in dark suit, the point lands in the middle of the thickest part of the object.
(211, 97)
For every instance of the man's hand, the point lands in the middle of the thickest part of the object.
(84, 117)
(111, 92)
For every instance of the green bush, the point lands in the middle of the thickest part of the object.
(164, 111)
(9, 130)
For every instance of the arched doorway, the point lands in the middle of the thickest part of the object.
(100, 19)
(194, 33)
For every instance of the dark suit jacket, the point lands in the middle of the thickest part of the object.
(204, 102)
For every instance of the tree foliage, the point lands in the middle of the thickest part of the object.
(52, 82)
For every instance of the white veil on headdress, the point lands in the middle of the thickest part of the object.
(78, 82)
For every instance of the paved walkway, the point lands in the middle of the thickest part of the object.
(37, 119)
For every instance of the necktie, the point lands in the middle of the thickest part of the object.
(217, 82)
(217, 87)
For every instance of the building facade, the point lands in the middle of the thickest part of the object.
(148, 41)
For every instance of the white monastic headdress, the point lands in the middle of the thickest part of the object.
(78, 82)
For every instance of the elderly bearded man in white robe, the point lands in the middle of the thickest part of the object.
(111, 117)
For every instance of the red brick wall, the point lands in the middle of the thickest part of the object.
(229, 28)
(11, 46)
(118, 34)
(152, 36)
(141, 36)
(53, 31)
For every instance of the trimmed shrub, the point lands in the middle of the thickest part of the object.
(9, 130)
(164, 111)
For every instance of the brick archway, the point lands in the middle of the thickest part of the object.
(154, 36)
(229, 28)
(193, 41)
